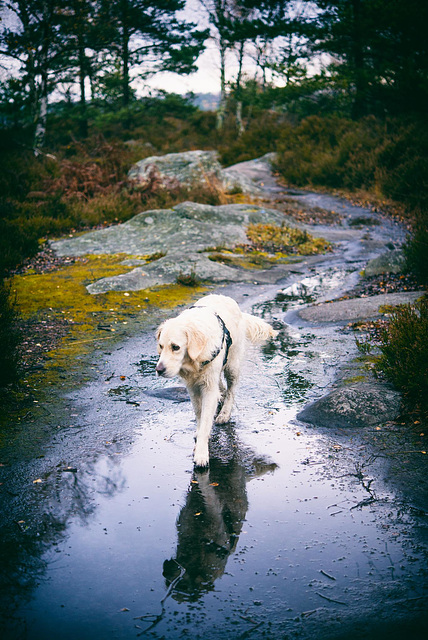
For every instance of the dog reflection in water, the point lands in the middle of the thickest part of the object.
(210, 523)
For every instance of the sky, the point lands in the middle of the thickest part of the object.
(207, 78)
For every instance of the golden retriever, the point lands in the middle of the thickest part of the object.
(200, 344)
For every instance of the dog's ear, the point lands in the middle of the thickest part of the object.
(196, 342)
(159, 331)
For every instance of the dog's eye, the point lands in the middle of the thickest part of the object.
(175, 347)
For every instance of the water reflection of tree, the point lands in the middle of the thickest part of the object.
(211, 520)
(37, 518)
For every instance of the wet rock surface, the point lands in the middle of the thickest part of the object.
(358, 405)
(357, 308)
(296, 530)
(184, 234)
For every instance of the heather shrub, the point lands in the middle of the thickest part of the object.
(404, 351)
(416, 248)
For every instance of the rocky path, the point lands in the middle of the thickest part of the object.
(307, 525)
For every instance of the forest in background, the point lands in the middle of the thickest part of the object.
(339, 89)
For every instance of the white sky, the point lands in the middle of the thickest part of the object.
(207, 78)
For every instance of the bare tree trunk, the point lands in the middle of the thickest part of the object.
(359, 106)
(238, 114)
(40, 134)
(83, 124)
(222, 105)
(30, 66)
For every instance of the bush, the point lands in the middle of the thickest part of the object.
(416, 248)
(404, 351)
(9, 337)
(388, 158)
(331, 151)
(260, 137)
(16, 241)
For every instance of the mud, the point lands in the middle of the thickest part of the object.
(295, 531)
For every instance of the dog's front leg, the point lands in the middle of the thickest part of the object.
(209, 401)
(195, 397)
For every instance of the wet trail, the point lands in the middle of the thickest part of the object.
(291, 533)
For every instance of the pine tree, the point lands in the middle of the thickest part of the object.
(148, 37)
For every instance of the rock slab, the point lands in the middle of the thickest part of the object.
(183, 234)
(359, 405)
(356, 309)
(189, 169)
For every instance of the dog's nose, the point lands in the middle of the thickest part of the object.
(160, 369)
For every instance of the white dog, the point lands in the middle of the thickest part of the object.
(198, 345)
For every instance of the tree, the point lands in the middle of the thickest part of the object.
(219, 14)
(149, 36)
(81, 35)
(380, 48)
(268, 30)
(285, 28)
(35, 42)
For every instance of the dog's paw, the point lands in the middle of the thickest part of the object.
(223, 417)
(201, 458)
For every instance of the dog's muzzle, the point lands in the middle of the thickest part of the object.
(160, 369)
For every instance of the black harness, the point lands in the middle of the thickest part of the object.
(225, 339)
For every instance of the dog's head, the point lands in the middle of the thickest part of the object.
(178, 344)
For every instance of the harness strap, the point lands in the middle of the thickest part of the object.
(226, 337)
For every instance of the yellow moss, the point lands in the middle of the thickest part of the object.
(90, 318)
(388, 308)
(240, 198)
(273, 237)
(251, 260)
(354, 379)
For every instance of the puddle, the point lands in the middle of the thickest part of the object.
(292, 533)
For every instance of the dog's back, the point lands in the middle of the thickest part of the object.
(255, 329)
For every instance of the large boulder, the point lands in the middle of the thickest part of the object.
(202, 169)
(389, 262)
(188, 169)
(359, 405)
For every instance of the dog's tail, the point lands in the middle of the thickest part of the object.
(257, 330)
